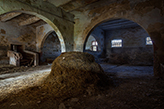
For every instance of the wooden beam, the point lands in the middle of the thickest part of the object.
(9, 16)
(29, 21)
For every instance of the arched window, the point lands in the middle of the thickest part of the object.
(94, 46)
(149, 41)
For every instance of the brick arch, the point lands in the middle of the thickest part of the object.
(156, 56)
(154, 30)
(44, 38)
(152, 24)
(94, 25)
(150, 20)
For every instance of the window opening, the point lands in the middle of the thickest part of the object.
(116, 43)
(148, 41)
(94, 46)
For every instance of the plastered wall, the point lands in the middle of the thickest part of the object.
(149, 14)
(134, 50)
(47, 12)
(10, 33)
(51, 48)
(98, 34)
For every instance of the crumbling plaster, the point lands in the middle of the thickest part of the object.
(51, 47)
(134, 50)
(47, 12)
(99, 35)
(11, 33)
(91, 16)
(42, 32)
(88, 45)
(149, 14)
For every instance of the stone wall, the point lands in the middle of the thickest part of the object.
(88, 45)
(51, 48)
(3, 51)
(149, 14)
(42, 32)
(134, 50)
(61, 21)
(3, 55)
(98, 34)
(11, 33)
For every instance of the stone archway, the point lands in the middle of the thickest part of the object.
(63, 31)
(88, 42)
(42, 30)
(150, 20)
(50, 48)
(44, 38)
(135, 34)
(93, 25)
(42, 33)
(51, 27)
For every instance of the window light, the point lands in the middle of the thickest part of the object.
(94, 46)
(148, 41)
(116, 43)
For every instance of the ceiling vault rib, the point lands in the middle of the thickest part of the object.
(45, 11)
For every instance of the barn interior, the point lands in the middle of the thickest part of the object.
(125, 37)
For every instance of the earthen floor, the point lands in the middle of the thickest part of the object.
(14, 82)
(135, 87)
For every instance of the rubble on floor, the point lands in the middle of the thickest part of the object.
(133, 87)
(73, 73)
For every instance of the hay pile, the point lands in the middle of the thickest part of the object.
(74, 73)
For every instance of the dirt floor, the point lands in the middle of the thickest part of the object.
(133, 87)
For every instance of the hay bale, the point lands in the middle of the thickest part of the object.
(72, 73)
